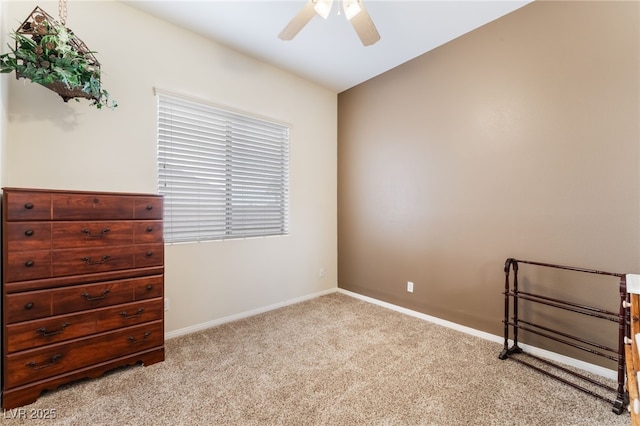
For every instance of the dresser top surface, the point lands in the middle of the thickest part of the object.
(80, 192)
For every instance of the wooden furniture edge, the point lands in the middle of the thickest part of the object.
(29, 393)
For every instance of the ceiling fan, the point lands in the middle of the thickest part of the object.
(354, 11)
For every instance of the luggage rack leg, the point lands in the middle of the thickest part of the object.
(515, 349)
(510, 351)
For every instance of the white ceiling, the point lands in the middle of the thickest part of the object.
(329, 52)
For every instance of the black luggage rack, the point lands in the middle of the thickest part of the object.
(578, 380)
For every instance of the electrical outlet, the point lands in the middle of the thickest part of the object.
(166, 304)
(410, 286)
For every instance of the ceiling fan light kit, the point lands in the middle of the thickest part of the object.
(354, 11)
(351, 8)
(323, 7)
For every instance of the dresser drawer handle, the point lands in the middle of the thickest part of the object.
(29, 263)
(87, 233)
(102, 296)
(149, 253)
(29, 306)
(135, 341)
(127, 316)
(88, 260)
(149, 287)
(28, 232)
(149, 207)
(149, 228)
(28, 206)
(52, 361)
(45, 333)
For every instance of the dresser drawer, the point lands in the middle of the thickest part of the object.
(42, 303)
(27, 236)
(26, 306)
(148, 208)
(91, 260)
(147, 288)
(147, 255)
(32, 334)
(41, 363)
(149, 231)
(91, 206)
(91, 296)
(27, 265)
(91, 234)
(25, 205)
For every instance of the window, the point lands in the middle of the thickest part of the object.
(223, 174)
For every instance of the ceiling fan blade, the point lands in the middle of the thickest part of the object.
(298, 22)
(363, 24)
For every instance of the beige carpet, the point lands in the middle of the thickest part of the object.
(333, 360)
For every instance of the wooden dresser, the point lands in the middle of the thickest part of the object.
(82, 289)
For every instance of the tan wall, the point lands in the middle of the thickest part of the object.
(520, 139)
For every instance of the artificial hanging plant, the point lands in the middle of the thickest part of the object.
(48, 53)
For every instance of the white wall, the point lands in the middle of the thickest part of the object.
(3, 92)
(50, 144)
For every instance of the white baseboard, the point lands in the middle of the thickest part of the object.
(542, 353)
(246, 314)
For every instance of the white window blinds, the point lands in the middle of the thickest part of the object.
(223, 174)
